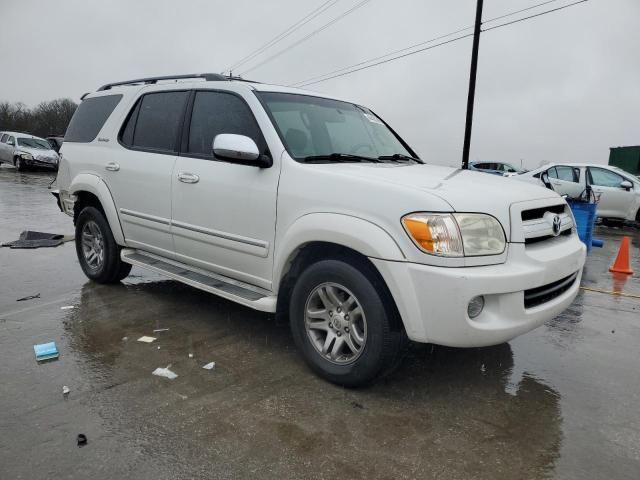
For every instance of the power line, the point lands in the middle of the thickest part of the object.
(382, 56)
(511, 14)
(390, 59)
(349, 72)
(291, 29)
(303, 39)
(425, 42)
(536, 15)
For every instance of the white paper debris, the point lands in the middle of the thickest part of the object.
(164, 372)
(160, 330)
(65, 390)
(124, 339)
(67, 307)
(146, 339)
(191, 355)
(209, 366)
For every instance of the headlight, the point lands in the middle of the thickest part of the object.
(455, 234)
(26, 156)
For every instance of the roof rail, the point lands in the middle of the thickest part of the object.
(209, 77)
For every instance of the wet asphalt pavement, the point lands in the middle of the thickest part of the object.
(560, 402)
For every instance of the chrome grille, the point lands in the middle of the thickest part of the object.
(537, 223)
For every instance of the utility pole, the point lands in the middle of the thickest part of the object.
(472, 86)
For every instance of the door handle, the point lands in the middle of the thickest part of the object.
(186, 177)
(112, 167)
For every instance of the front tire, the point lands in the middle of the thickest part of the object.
(341, 324)
(98, 252)
(19, 164)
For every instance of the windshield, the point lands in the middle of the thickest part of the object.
(508, 168)
(38, 143)
(313, 126)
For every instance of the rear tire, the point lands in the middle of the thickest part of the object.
(339, 343)
(98, 252)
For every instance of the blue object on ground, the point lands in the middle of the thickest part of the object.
(585, 215)
(46, 351)
(597, 243)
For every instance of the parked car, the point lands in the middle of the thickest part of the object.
(496, 168)
(55, 142)
(619, 191)
(311, 207)
(24, 151)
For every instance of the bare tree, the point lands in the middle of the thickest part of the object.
(47, 118)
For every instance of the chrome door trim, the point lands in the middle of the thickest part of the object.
(216, 233)
(144, 216)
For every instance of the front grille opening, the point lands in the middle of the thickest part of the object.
(537, 213)
(539, 295)
(529, 241)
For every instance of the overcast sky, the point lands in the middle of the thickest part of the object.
(562, 87)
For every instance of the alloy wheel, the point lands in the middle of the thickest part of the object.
(92, 245)
(335, 323)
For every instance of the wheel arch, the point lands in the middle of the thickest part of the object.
(90, 190)
(317, 237)
(361, 236)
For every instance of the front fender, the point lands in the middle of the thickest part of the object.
(356, 233)
(86, 182)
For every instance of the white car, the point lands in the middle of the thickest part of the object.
(618, 191)
(23, 151)
(311, 207)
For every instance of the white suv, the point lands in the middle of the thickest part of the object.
(312, 207)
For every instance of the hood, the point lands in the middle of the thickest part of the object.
(38, 152)
(463, 190)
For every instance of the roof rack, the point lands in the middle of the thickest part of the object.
(209, 77)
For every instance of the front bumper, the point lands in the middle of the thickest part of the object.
(433, 300)
(41, 164)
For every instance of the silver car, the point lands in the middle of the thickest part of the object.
(24, 151)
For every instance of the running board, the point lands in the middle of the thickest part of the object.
(240, 292)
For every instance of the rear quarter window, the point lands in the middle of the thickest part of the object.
(90, 117)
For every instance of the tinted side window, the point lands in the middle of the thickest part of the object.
(217, 112)
(89, 118)
(157, 121)
(126, 135)
(4, 137)
(605, 178)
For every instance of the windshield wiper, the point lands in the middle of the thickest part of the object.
(339, 157)
(399, 156)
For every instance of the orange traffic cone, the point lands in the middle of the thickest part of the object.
(622, 263)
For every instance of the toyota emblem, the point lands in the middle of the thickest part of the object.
(556, 225)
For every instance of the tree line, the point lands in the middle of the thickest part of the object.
(45, 119)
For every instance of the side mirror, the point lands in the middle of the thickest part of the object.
(11, 142)
(626, 184)
(235, 147)
(544, 177)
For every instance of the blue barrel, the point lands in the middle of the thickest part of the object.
(585, 215)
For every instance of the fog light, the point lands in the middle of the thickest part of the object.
(475, 306)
